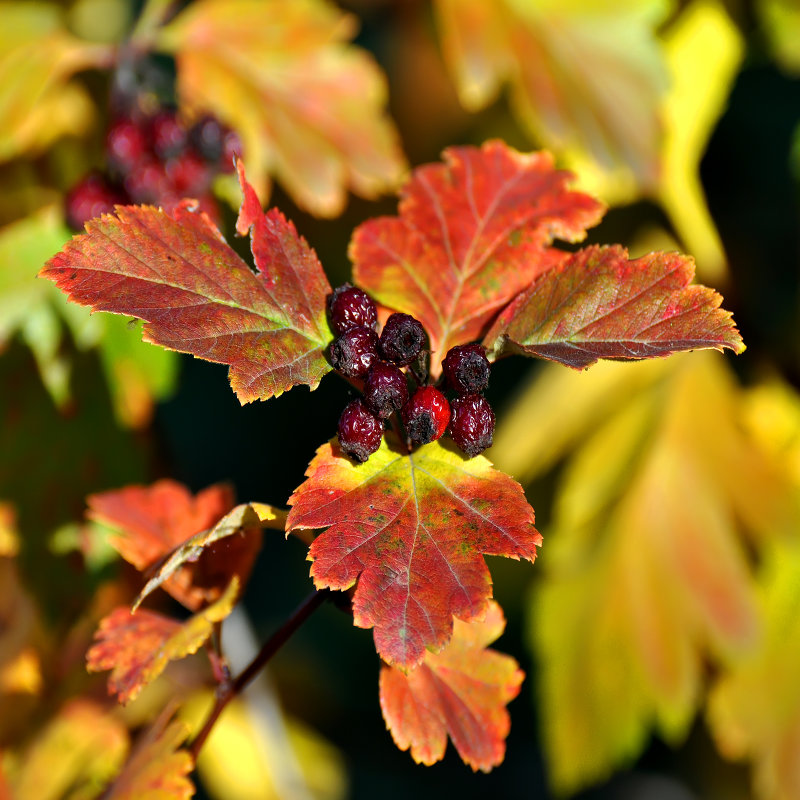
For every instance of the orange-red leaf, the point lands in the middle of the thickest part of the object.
(598, 304)
(472, 233)
(154, 520)
(137, 647)
(461, 691)
(176, 272)
(412, 530)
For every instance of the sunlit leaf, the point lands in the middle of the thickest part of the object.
(158, 768)
(598, 304)
(137, 646)
(585, 78)
(9, 538)
(308, 105)
(78, 751)
(780, 20)
(196, 295)
(411, 530)
(462, 691)
(151, 521)
(245, 519)
(471, 234)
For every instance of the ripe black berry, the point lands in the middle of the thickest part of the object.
(402, 339)
(354, 352)
(426, 415)
(359, 431)
(168, 135)
(350, 306)
(385, 389)
(207, 136)
(467, 368)
(91, 197)
(472, 423)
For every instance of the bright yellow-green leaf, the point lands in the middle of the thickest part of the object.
(703, 50)
(308, 105)
(780, 20)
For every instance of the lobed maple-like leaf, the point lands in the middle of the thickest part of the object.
(137, 646)
(412, 531)
(176, 272)
(462, 691)
(471, 234)
(598, 304)
(158, 768)
(245, 519)
(153, 520)
(308, 105)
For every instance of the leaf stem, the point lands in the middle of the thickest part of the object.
(226, 692)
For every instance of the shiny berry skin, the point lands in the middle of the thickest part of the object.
(472, 423)
(426, 415)
(350, 306)
(385, 389)
(354, 352)
(466, 368)
(126, 146)
(168, 135)
(359, 431)
(207, 136)
(89, 198)
(402, 339)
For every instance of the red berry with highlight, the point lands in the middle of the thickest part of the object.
(349, 306)
(89, 198)
(472, 423)
(402, 339)
(385, 389)
(466, 368)
(426, 415)
(126, 146)
(359, 432)
(354, 352)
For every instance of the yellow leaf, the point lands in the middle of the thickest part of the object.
(308, 106)
(9, 538)
(704, 51)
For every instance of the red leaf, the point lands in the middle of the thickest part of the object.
(153, 520)
(598, 304)
(412, 530)
(461, 691)
(472, 233)
(137, 647)
(176, 272)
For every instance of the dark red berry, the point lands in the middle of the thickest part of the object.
(92, 196)
(207, 136)
(126, 146)
(168, 135)
(472, 423)
(467, 368)
(189, 175)
(350, 306)
(385, 389)
(354, 352)
(426, 415)
(360, 432)
(148, 182)
(402, 339)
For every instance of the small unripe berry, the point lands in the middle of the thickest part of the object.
(359, 432)
(402, 339)
(354, 352)
(385, 389)
(350, 306)
(472, 423)
(426, 415)
(466, 368)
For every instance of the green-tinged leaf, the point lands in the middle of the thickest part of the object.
(196, 295)
(462, 691)
(780, 20)
(158, 768)
(598, 304)
(149, 522)
(471, 234)
(648, 577)
(137, 647)
(585, 78)
(411, 531)
(308, 105)
(245, 520)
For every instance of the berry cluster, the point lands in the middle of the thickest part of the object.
(155, 159)
(358, 352)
